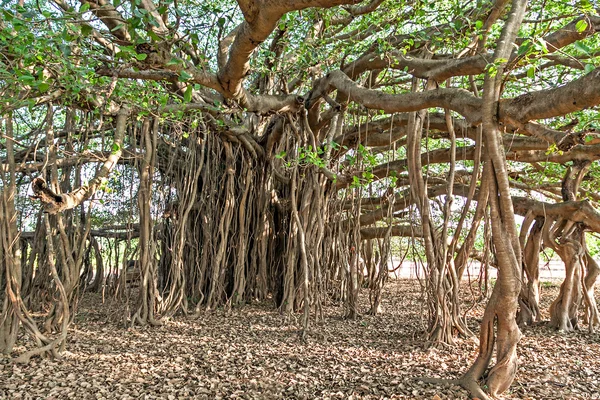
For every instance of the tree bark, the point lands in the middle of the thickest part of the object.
(502, 306)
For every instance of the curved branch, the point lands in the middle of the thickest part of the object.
(261, 18)
(109, 15)
(55, 203)
(459, 100)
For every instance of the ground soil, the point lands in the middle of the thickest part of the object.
(256, 353)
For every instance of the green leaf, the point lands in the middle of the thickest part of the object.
(524, 48)
(8, 15)
(43, 87)
(26, 79)
(154, 22)
(154, 36)
(542, 43)
(86, 30)
(479, 24)
(84, 7)
(184, 76)
(187, 96)
(582, 47)
(581, 26)
(531, 72)
(115, 147)
(221, 22)
(589, 68)
(589, 138)
(141, 57)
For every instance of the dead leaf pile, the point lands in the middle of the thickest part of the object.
(256, 353)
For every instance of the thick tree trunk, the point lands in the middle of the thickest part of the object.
(564, 309)
(503, 303)
(529, 300)
(566, 239)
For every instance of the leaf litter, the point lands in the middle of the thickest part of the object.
(256, 353)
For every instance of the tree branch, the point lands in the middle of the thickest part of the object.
(55, 203)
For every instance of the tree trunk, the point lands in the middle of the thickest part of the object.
(592, 273)
(145, 313)
(10, 251)
(529, 299)
(503, 302)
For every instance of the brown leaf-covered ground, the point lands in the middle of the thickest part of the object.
(255, 353)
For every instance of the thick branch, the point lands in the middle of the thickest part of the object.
(397, 230)
(110, 17)
(261, 18)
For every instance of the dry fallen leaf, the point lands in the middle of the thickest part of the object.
(255, 353)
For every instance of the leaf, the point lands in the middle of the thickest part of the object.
(27, 79)
(582, 47)
(531, 72)
(86, 30)
(115, 147)
(117, 27)
(543, 44)
(154, 22)
(187, 96)
(43, 87)
(524, 48)
(589, 68)
(173, 61)
(141, 57)
(581, 26)
(184, 76)
(478, 24)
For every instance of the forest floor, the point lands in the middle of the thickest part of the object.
(255, 353)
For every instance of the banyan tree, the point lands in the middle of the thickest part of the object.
(225, 152)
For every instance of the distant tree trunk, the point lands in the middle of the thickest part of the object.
(564, 309)
(592, 273)
(99, 267)
(145, 313)
(529, 299)
(380, 275)
(566, 239)
(442, 282)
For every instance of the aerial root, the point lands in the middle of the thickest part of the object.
(50, 347)
(465, 382)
